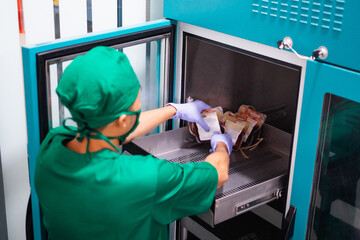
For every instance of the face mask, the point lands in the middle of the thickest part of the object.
(90, 133)
(123, 137)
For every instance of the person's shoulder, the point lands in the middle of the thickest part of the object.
(56, 135)
(62, 131)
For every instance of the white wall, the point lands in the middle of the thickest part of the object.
(12, 123)
(38, 21)
(156, 9)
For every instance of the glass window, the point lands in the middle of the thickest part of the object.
(335, 204)
(148, 60)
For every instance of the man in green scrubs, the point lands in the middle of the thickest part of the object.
(87, 189)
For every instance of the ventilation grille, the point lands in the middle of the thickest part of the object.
(324, 14)
(257, 160)
(250, 236)
(251, 184)
(193, 157)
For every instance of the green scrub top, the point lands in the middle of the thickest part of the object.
(114, 196)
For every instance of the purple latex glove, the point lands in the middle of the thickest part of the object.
(225, 138)
(191, 112)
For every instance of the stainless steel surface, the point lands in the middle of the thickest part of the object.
(258, 88)
(240, 208)
(172, 231)
(164, 75)
(269, 214)
(190, 225)
(254, 181)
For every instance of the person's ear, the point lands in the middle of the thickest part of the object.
(121, 121)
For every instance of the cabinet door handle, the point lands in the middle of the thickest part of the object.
(287, 43)
(288, 224)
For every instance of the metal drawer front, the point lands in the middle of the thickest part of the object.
(252, 181)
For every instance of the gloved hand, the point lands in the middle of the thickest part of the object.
(191, 112)
(225, 138)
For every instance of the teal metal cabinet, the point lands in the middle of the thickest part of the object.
(321, 166)
(44, 64)
(310, 23)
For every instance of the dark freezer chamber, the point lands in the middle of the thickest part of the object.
(226, 76)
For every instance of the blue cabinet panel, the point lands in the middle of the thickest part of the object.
(320, 79)
(311, 23)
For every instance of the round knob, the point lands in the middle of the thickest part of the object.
(323, 52)
(288, 42)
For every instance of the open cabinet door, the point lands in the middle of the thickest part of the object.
(326, 183)
(150, 49)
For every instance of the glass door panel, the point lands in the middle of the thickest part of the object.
(145, 59)
(335, 205)
(150, 55)
(326, 165)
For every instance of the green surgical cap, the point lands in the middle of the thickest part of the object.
(98, 87)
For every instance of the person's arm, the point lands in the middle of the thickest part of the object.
(221, 147)
(149, 120)
(220, 160)
(186, 111)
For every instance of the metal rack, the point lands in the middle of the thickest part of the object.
(252, 182)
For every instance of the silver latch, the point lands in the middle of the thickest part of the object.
(278, 193)
(287, 43)
(321, 53)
